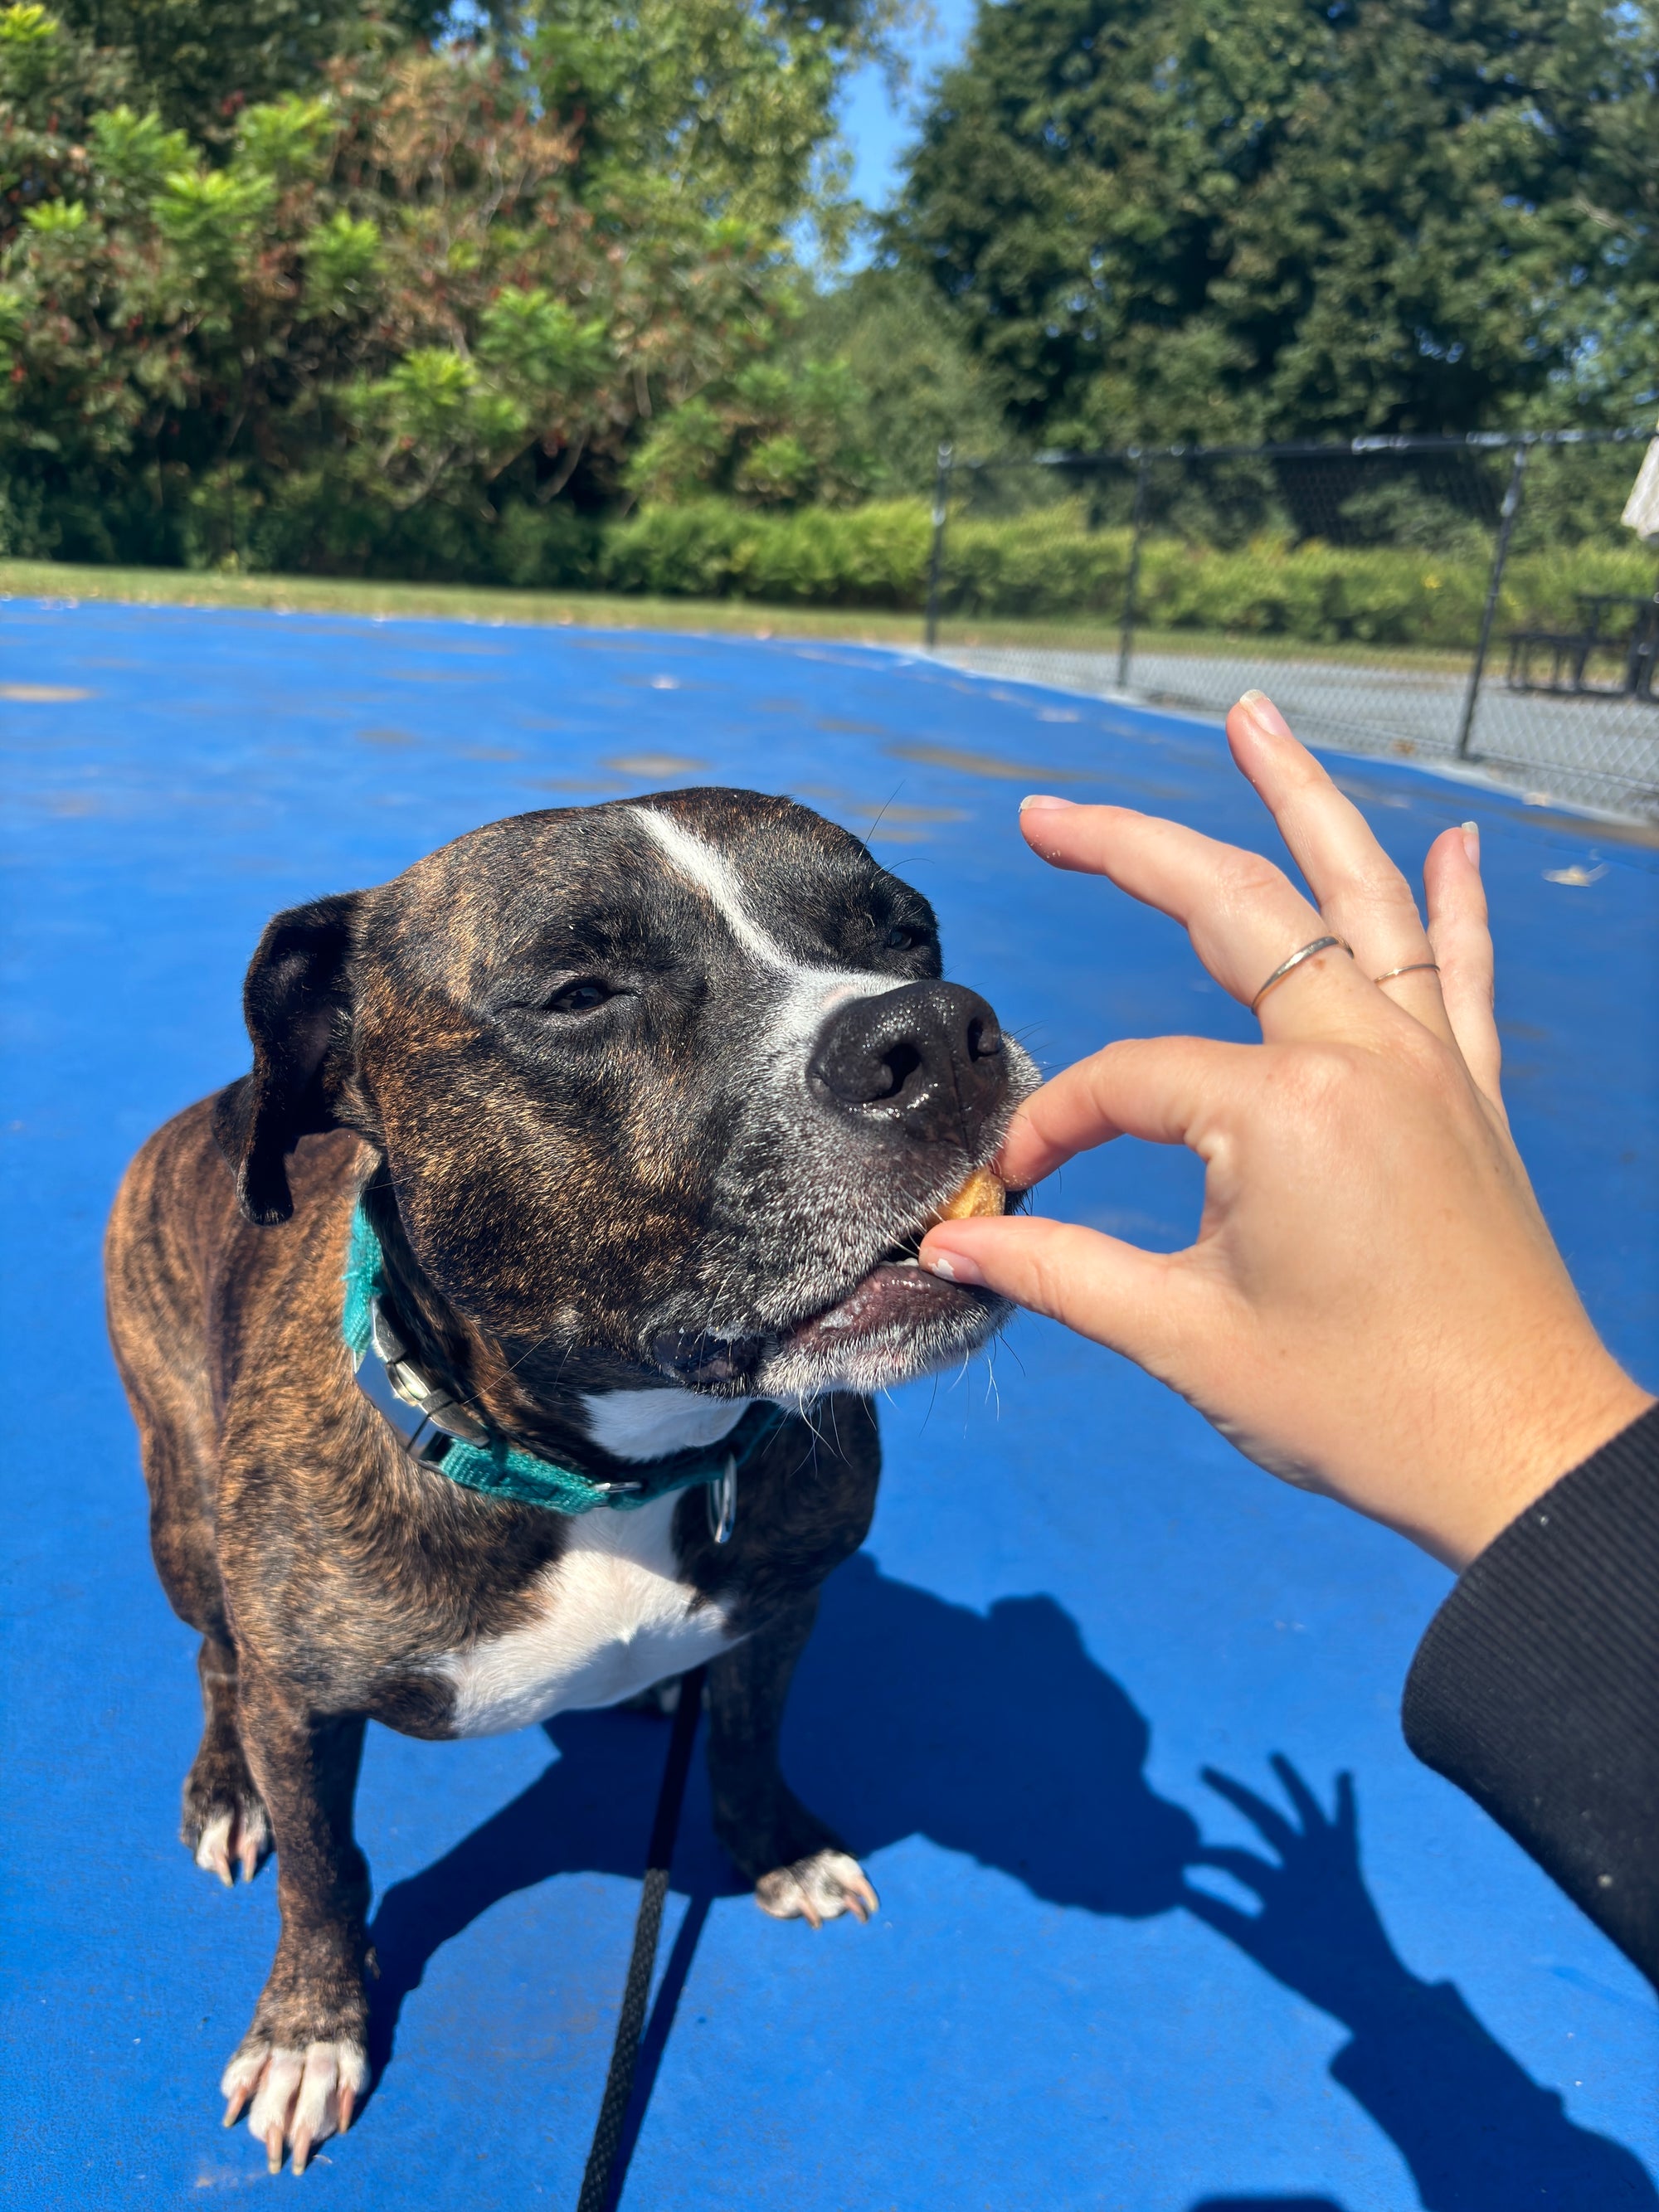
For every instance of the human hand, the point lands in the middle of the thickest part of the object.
(1373, 1307)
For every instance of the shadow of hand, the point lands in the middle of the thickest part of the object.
(1479, 2134)
(1318, 1930)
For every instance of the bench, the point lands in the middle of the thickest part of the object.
(1633, 635)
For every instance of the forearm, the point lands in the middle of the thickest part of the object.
(1536, 1688)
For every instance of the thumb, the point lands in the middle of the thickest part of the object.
(1139, 1302)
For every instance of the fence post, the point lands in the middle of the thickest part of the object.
(1125, 642)
(1507, 513)
(936, 560)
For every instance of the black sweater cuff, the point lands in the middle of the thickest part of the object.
(1536, 1689)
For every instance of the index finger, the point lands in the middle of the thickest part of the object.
(1152, 1087)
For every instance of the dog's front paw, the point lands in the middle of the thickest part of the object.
(817, 1889)
(301, 2094)
(225, 1820)
(221, 1835)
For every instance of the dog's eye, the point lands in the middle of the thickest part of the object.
(901, 939)
(580, 998)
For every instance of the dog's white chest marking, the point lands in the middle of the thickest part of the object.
(642, 1424)
(611, 1618)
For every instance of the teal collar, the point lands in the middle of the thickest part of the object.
(465, 1449)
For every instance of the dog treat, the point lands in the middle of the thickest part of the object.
(982, 1192)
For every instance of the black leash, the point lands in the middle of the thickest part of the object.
(624, 2056)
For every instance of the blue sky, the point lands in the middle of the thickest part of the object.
(876, 131)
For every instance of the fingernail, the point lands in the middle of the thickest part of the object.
(1263, 713)
(955, 1266)
(1037, 801)
(1472, 842)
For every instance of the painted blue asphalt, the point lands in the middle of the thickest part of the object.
(1075, 1597)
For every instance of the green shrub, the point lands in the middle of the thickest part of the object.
(1044, 563)
(1048, 563)
(871, 556)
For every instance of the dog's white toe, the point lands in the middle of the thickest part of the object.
(300, 2097)
(817, 1889)
(213, 1848)
(242, 1835)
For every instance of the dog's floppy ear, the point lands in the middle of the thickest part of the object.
(296, 991)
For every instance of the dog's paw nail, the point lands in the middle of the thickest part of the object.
(302, 2096)
(235, 1836)
(242, 2078)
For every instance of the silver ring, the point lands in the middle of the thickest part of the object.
(1411, 967)
(1319, 945)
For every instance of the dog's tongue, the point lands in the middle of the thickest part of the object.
(983, 1193)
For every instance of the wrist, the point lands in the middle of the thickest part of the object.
(1527, 1454)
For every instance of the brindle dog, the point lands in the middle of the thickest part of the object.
(647, 1103)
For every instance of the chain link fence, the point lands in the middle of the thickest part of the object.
(1472, 599)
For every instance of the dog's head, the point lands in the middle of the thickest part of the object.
(666, 1090)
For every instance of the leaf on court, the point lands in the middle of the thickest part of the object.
(993, 765)
(653, 764)
(888, 811)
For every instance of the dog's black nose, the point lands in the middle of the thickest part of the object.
(927, 1060)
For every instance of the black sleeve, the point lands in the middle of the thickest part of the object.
(1536, 1688)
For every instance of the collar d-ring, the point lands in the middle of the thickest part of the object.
(722, 1497)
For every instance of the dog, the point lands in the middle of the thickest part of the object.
(606, 1136)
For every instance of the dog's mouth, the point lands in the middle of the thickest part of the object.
(897, 1298)
(894, 1321)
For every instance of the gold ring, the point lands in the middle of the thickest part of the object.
(1319, 945)
(1411, 967)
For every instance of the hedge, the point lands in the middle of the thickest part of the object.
(865, 557)
(1043, 563)
(1048, 563)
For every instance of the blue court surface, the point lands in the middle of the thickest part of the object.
(1076, 1597)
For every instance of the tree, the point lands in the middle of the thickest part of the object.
(199, 62)
(728, 106)
(1179, 219)
(921, 385)
(771, 436)
(425, 311)
(387, 300)
(421, 310)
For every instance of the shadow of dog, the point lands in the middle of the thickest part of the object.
(993, 1734)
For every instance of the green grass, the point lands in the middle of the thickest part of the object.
(618, 610)
(184, 587)
(1096, 633)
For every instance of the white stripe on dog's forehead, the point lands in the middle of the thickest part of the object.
(715, 878)
(811, 988)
